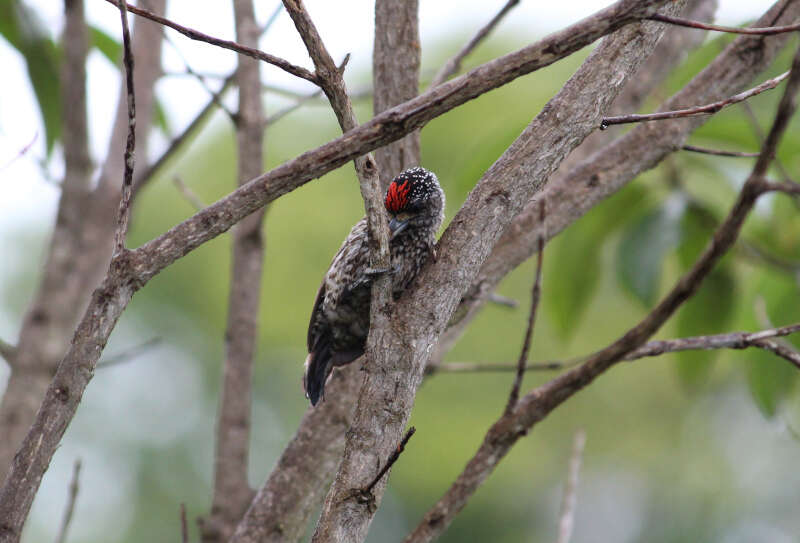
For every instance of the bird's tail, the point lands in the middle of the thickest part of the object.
(318, 367)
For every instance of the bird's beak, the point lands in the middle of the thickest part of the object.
(396, 226)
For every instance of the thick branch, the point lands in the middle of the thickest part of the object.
(232, 493)
(395, 78)
(537, 404)
(225, 44)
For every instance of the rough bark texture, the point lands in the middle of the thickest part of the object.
(232, 493)
(130, 270)
(395, 77)
(397, 355)
(81, 243)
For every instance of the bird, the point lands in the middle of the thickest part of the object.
(339, 323)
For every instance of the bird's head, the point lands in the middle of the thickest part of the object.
(414, 199)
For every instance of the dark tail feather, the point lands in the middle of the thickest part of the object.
(318, 368)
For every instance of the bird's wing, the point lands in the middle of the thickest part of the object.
(314, 325)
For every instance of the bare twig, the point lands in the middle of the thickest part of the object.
(769, 31)
(190, 195)
(129, 354)
(184, 525)
(729, 340)
(707, 109)
(216, 96)
(751, 116)
(21, 152)
(453, 65)
(71, 498)
(566, 519)
(502, 300)
(367, 490)
(536, 293)
(225, 44)
(787, 187)
(718, 152)
(123, 216)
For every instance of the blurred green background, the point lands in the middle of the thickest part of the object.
(694, 447)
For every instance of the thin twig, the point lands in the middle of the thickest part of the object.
(566, 520)
(21, 152)
(216, 96)
(536, 294)
(729, 340)
(788, 187)
(707, 109)
(718, 152)
(72, 496)
(751, 116)
(123, 216)
(184, 525)
(367, 490)
(768, 31)
(188, 193)
(453, 65)
(225, 44)
(129, 354)
(498, 299)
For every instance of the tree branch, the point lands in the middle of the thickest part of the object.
(190, 33)
(707, 109)
(768, 31)
(232, 493)
(70, 508)
(536, 293)
(453, 65)
(123, 215)
(396, 59)
(717, 152)
(537, 404)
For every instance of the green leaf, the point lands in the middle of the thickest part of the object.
(640, 255)
(709, 311)
(22, 28)
(107, 45)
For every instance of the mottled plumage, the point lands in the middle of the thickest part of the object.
(339, 323)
